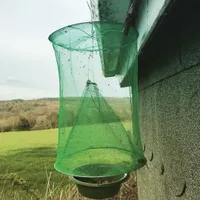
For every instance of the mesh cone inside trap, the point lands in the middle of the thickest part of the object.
(98, 144)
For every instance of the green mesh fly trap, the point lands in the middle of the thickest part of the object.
(93, 142)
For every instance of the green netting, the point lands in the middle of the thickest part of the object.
(92, 139)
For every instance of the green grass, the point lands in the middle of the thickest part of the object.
(31, 156)
(26, 139)
(27, 166)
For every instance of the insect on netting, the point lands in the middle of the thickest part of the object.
(92, 139)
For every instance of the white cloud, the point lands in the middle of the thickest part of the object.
(27, 63)
(26, 54)
(9, 92)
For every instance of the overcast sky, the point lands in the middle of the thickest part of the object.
(27, 63)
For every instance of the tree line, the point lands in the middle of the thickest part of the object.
(20, 115)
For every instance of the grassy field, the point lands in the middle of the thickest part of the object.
(26, 162)
(27, 158)
(27, 169)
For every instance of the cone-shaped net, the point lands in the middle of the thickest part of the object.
(92, 139)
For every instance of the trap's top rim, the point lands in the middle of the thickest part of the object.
(64, 32)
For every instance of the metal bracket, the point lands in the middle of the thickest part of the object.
(129, 18)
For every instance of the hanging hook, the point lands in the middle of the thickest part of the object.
(129, 18)
(90, 82)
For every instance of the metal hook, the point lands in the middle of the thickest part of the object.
(129, 18)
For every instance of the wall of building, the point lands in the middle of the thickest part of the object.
(169, 83)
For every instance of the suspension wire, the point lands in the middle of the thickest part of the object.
(88, 68)
(92, 54)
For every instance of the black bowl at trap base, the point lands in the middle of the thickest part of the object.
(99, 187)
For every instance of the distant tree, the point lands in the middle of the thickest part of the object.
(70, 118)
(42, 123)
(23, 124)
(53, 118)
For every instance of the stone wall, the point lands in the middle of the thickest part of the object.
(169, 82)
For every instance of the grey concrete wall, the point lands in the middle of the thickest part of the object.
(169, 82)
